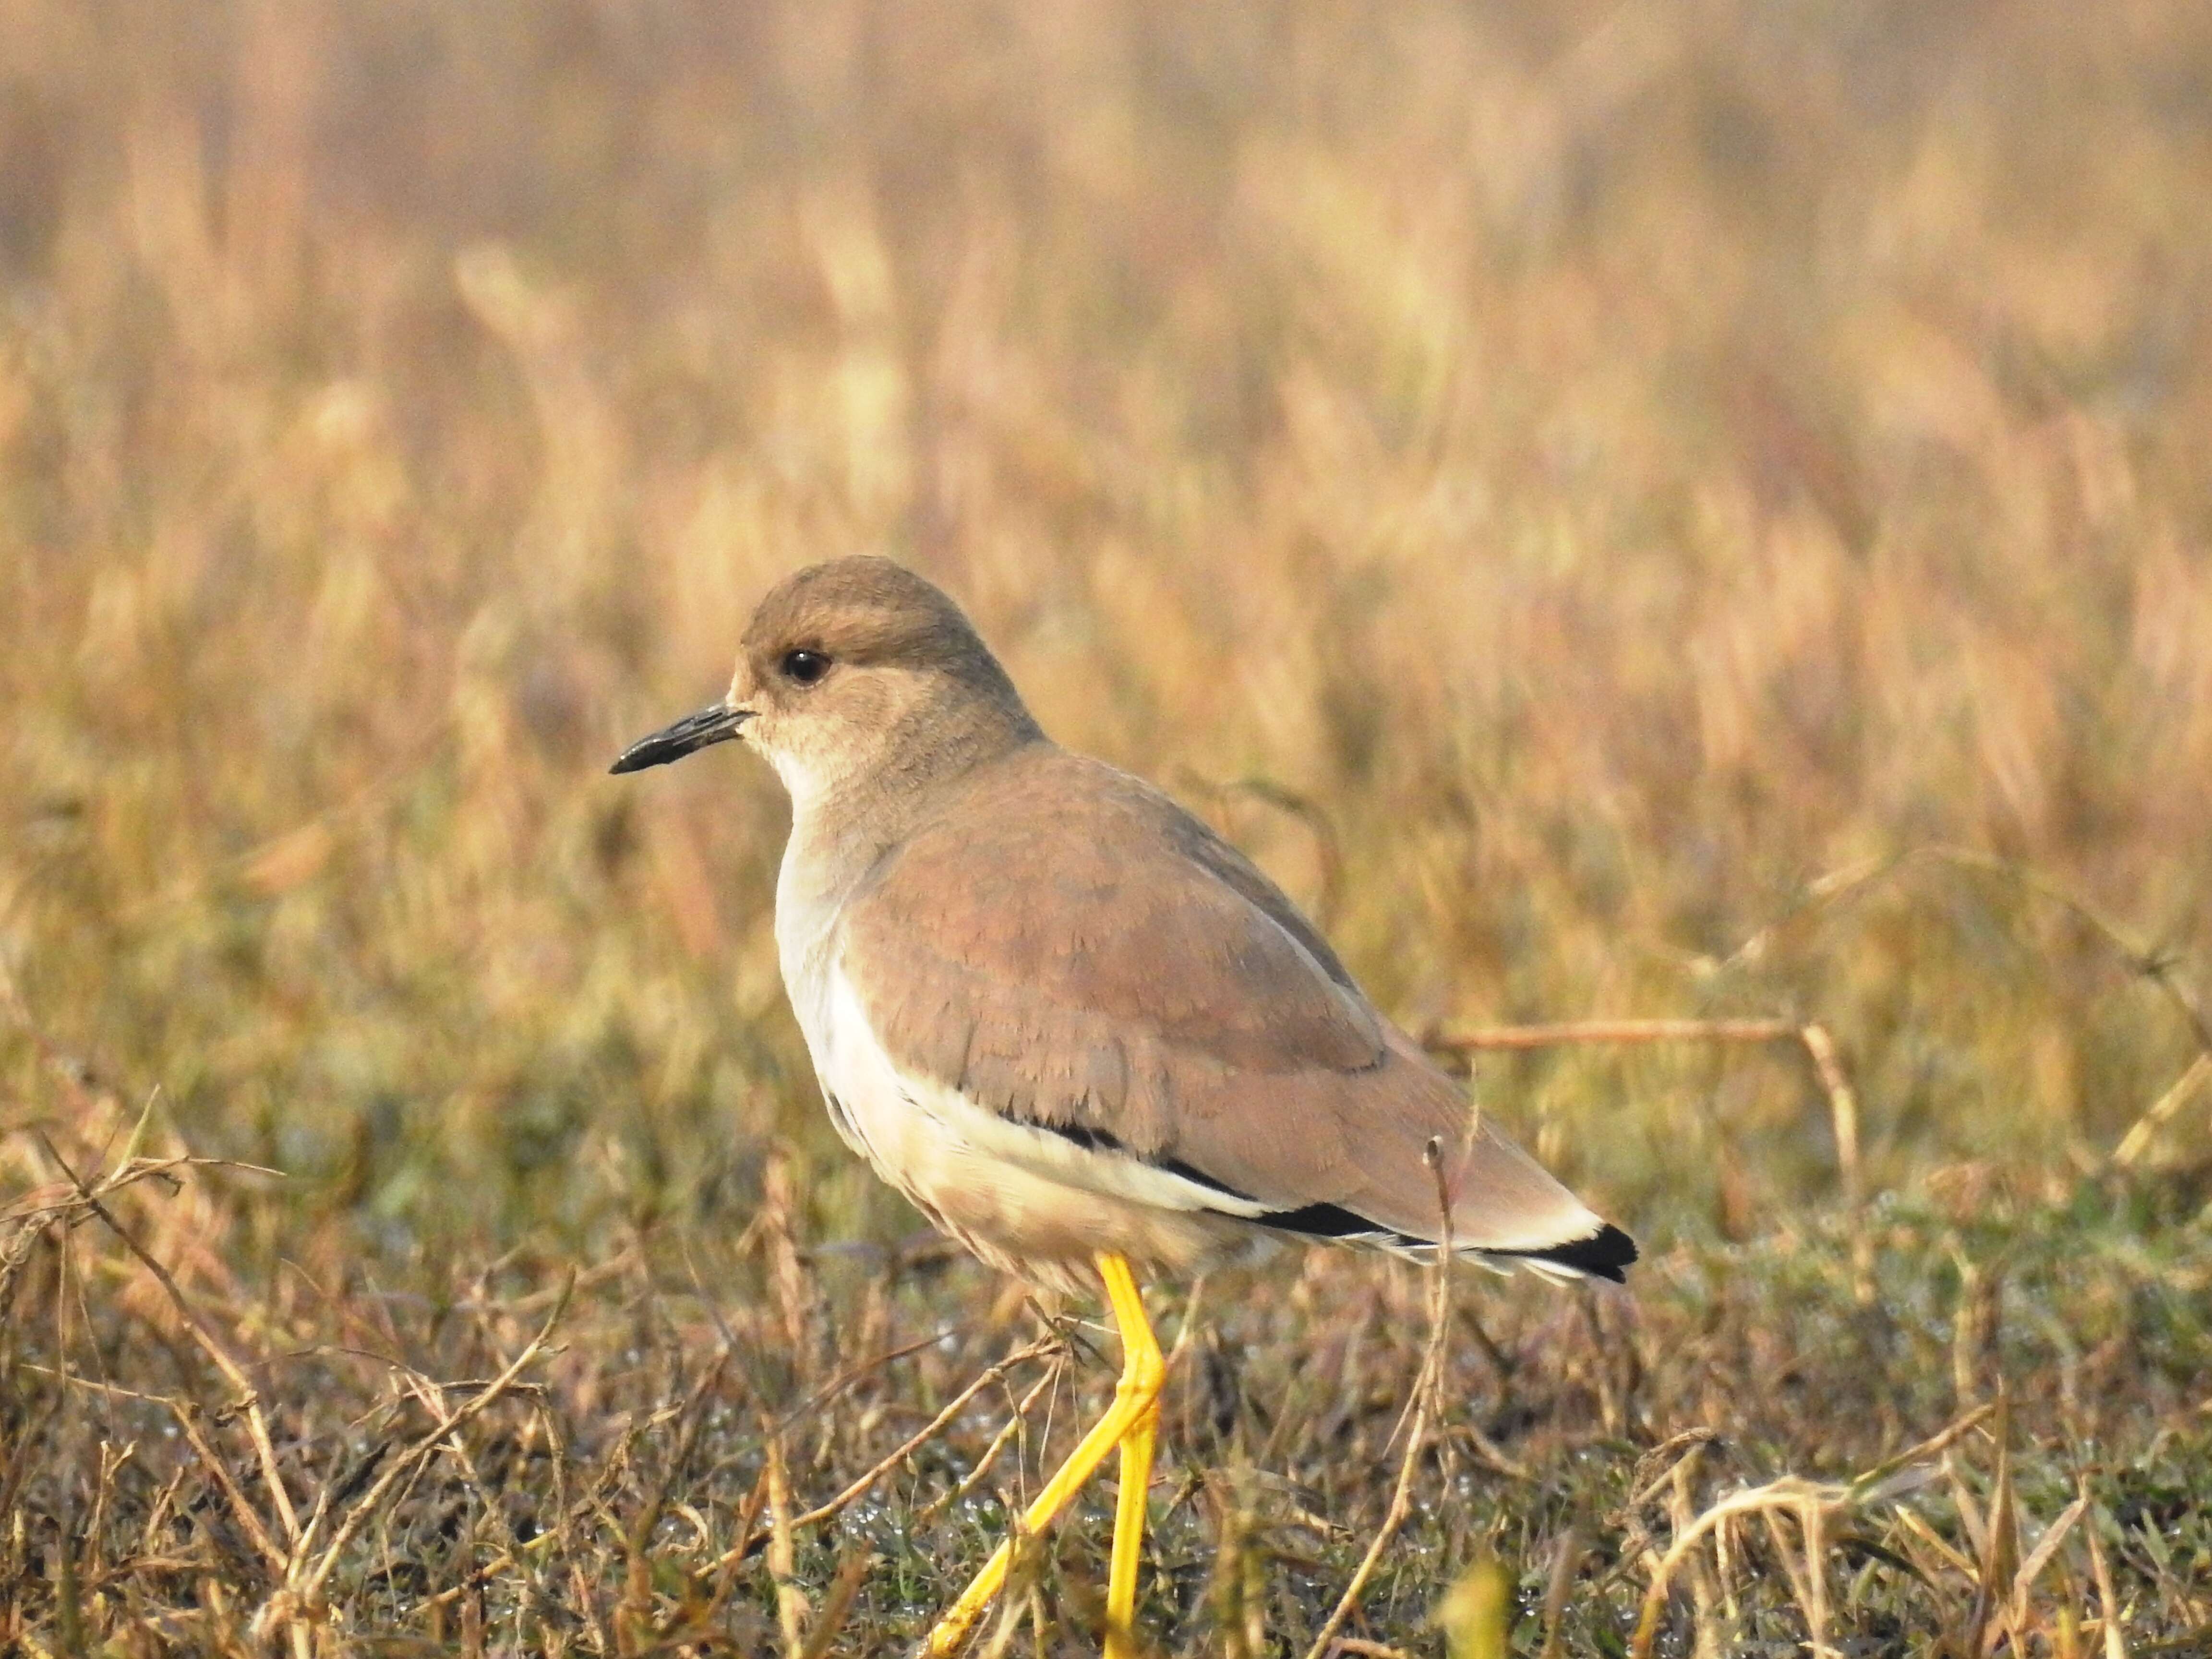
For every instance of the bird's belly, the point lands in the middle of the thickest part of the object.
(998, 1188)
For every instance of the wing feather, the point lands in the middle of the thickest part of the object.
(1095, 960)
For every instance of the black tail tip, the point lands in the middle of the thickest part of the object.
(1606, 1253)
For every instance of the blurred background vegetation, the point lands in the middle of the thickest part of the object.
(1558, 482)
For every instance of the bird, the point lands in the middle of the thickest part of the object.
(1080, 1031)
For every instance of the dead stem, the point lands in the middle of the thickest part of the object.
(306, 1582)
(1427, 1387)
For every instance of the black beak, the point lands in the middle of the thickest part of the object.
(709, 726)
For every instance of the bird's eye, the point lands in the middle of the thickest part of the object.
(805, 666)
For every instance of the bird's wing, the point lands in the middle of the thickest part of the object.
(1093, 960)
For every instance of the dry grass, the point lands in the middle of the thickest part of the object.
(1986, 1428)
(1697, 514)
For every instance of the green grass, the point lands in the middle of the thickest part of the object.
(1695, 512)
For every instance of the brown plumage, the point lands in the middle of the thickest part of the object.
(1110, 966)
(1058, 1011)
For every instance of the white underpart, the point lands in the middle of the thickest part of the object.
(931, 1142)
(921, 1131)
(945, 1151)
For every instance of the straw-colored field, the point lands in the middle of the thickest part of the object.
(1630, 511)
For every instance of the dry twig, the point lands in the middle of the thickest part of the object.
(305, 1584)
(1820, 1046)
(1427, 1386)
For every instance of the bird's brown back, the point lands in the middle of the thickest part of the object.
(1067, 947)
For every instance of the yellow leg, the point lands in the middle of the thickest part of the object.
(1129, 1531)
(1129, 1423)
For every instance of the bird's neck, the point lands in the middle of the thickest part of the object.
(843, 822)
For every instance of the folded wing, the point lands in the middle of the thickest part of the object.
(1143, 990)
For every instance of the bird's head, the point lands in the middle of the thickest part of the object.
(854, 672)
